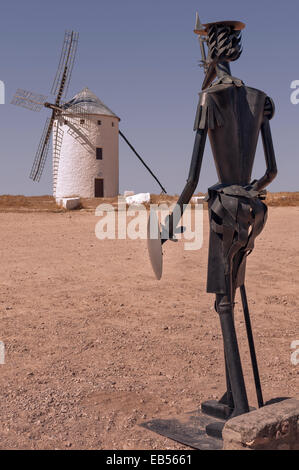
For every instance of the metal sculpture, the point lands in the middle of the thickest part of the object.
(232, 115)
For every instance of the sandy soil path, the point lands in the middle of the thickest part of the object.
(95, 345)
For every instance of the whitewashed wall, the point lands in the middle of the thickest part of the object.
(78, 166)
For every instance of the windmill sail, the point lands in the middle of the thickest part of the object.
(57, 136)
(81, 137)
(35, 102)
(42, 151)
(77, 114)
(65, 66)
(29, 100)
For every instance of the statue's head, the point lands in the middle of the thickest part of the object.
(224, 43)
(223, 39)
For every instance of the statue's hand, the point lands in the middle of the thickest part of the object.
(253, 188)
(167, 234)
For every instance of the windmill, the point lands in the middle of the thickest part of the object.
(35, 102)
(74, 117)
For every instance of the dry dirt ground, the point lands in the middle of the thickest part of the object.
(95, 345)
(9, 203)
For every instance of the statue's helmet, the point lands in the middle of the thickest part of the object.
(223, 38)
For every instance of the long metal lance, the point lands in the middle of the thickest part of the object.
(142, 161)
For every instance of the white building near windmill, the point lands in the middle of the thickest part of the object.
(85, 153)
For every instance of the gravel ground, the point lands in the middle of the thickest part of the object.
(95, 345)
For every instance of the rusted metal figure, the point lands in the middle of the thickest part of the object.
(232, 115)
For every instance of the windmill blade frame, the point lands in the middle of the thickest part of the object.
(29, 100)
(42, 150)
(80, 136)
(35, 102)
(57, 144)
(65, 66)
(57, 141)
(75, 113)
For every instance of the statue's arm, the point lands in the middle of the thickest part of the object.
(191, 184)
(271, 168)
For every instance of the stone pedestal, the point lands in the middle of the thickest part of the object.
(272, 427)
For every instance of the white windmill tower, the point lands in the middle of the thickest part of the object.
(85, 136)
(85, 153)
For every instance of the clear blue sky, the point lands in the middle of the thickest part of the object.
(140, 57)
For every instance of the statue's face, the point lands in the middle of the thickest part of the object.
(224, 43)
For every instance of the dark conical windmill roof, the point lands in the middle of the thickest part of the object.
(90, 103)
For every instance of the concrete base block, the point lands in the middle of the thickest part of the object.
(139, 198)
(198, 199)
(272, 427)
(69, 203)
(128, 193)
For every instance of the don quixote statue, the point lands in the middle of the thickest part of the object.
(232, 115)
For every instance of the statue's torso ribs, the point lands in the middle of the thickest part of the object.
(233, 115)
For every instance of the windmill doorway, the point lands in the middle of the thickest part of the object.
(98, 187)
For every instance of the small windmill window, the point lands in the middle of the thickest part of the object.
(99, 123)
(99, 153)
(112, 124)
(82, 121)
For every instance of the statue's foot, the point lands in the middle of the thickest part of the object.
(215, 429)
(221, 409)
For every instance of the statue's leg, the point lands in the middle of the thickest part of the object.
(227, 398)
(223, 408)
(225, 310)
(230, 241)
(256, 375)
(235, 378)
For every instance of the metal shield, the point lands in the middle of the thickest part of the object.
(154, 244)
